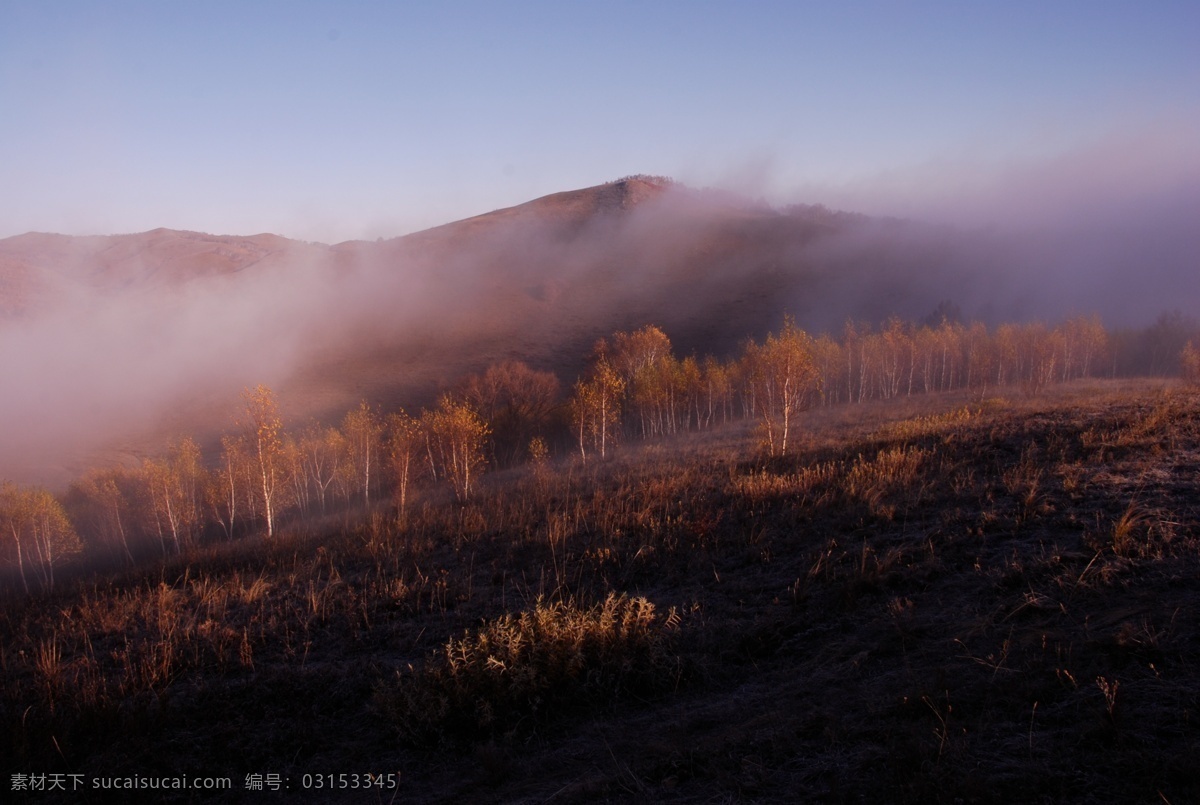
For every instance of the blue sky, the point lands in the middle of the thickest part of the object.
(336, 120)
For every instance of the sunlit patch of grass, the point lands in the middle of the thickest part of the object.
(893, 468)
(939, 424)
(880, 481)
(521, 672)
(812, 484)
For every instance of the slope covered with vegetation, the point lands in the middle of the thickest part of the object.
(633, 387)
(944, 597)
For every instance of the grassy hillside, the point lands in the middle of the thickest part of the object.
(937, 599)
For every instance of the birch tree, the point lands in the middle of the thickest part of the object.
(455, 437)
(323, 450)
(35, 530)
(264, 435)
(596, 405)
(362, 430)
(403, 440)
(783, 380)
(229, 488)
(101, 508)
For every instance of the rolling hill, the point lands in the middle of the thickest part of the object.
(126, 340)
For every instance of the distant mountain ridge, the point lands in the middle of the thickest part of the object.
(569, 206)
(36, 266)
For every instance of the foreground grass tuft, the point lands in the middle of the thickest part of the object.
(523, 672)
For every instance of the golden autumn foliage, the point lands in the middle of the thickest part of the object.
(403, 444)
(596, 405)
(35, 532)
(783, 381)
(455, 436)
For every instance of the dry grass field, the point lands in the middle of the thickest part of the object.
(942, 600)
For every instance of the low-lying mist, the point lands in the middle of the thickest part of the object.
(1105, 226)
(105, 366)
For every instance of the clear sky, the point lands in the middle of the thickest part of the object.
(336, 120)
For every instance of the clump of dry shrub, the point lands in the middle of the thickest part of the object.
(522, 672)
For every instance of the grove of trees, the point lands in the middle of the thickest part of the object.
(634, 387)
